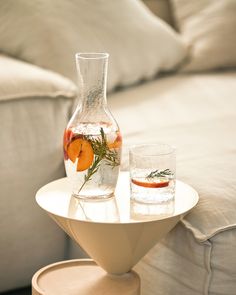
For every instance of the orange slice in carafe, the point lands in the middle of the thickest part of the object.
(81, 148)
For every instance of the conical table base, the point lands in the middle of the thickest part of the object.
(112, 232)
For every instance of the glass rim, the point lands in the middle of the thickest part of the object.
(91, 55)
(133, 148)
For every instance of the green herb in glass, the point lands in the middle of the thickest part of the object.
(101, 152)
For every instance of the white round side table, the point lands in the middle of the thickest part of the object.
(116, 234)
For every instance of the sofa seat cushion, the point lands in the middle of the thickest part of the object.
(197, 114)
(182, 265)
(35, 106)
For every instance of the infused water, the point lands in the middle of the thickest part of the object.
(92, 158)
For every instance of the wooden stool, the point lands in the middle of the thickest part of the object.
(82, 277)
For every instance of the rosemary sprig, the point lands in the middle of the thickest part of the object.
(112, 158)
(159, 173)
(99, 145)
(101, 152)
(92, 170)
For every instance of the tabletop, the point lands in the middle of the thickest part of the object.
(56, 198)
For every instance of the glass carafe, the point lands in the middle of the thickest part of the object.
(92, 139)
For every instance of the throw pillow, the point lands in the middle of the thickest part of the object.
(49, 33)
(209, 29)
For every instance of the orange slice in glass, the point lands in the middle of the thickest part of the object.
(161, 182)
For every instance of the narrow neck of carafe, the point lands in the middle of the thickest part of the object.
(92, 80)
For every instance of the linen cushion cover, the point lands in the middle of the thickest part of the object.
(35, 106)
(49, 33)
(35, 81)
(208, 27)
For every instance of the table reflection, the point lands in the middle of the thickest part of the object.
(115, 210)
(143, 211)
(97, 211)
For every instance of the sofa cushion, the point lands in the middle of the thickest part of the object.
(140, 44)
(21, 80)
(35, 106)
(208, 27)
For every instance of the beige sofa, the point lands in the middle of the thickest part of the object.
(193, 111)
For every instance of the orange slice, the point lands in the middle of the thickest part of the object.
(74, 148)
(163, 182)
(68, 134)
(86, 155)
(81, 149)
(117, 143)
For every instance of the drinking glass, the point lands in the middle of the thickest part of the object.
(152, 174)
